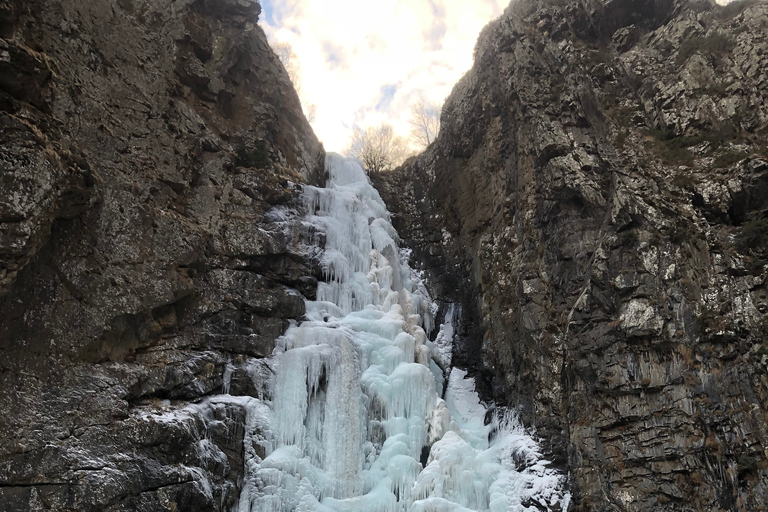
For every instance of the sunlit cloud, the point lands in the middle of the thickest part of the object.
(365, 62)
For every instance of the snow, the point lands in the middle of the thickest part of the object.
(357, 391)
(227, 377)
(444, 340)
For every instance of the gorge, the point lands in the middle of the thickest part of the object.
(560, 305)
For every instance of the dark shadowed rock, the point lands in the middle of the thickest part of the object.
(145, 149)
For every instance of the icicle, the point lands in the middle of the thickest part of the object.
(357, 422)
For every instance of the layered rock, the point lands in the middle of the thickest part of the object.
(149, 167)
(596, 202)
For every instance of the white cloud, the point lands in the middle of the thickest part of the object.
(366, 61)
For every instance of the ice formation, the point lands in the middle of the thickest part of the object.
(361, 415)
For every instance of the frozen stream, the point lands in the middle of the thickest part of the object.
(361, 416)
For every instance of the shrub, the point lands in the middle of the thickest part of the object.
(707, 320)
(598, 56)
(686, 181)
(681, 232)
(729, 158)
(754, 235)
(721, 134)
(624, 116)
(715, 89)
(621, 138)
(713, 45)
(256, 157)
(671, 139)
(746, 464)
(628, 237)
(673, 149)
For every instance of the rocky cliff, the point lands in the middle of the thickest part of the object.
(597, 202)
(149, 159)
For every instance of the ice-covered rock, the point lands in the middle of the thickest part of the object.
(358, 422)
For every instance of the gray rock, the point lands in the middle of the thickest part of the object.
(142, 152)
(591, 202)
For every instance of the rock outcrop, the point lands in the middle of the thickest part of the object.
(150, 156)
(597, 202)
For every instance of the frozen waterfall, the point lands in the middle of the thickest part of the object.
(362, 417)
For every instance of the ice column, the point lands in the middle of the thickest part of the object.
(357, 420)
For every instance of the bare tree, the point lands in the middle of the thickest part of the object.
(287, 56)
(378, 147)
(425, 123)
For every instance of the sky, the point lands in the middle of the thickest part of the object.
(363, 62)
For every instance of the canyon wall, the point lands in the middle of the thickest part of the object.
(151, 158)
(597, 203)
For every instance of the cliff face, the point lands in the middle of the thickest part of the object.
(148, 149)
(597, 201)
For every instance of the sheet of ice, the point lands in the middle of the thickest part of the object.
(444, 340)
(357, 407)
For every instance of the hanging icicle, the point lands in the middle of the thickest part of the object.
(357, 422)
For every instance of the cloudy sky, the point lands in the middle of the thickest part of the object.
(366, 61)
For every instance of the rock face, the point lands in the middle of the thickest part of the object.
(597, 202)
(150, 157)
